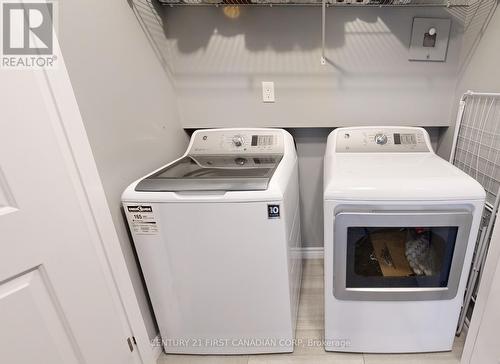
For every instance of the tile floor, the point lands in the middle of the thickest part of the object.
(310, 326)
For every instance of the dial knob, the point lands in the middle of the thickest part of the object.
(237, 141)
(381, 139)
(240, 161)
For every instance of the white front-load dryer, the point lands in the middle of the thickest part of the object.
(400, 225)
(217, 233)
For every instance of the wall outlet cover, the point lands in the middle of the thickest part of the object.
(429, 47)
(267, 91)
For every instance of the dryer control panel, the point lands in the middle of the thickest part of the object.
(244, 141)
(385, 140)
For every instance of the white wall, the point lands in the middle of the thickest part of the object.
(127, 103)
(218, 65)
(311, 144)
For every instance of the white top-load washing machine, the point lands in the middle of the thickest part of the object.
(217, 233)
(400, 226)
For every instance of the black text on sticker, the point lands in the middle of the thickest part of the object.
(139, 209)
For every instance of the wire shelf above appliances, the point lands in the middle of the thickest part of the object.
(329, 3)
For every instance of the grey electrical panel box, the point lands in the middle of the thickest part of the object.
(429, 39)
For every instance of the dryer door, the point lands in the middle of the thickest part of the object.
(399, 255)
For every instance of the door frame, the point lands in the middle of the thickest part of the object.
(74, 145)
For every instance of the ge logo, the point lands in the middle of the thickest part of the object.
(273, 211)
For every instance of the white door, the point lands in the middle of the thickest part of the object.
(58, 301)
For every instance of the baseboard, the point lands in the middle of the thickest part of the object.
(156, 347)
(312, 252)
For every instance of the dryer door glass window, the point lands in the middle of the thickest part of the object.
(405, 255)
(399, 256)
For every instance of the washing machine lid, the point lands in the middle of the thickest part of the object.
(238, 172)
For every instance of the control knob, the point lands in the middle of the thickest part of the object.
(240, 161)
(381, 139)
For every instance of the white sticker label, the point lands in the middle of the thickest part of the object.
(142, 220)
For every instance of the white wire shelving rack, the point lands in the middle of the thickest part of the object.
(476, 151)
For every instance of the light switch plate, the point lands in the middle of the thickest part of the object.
(420, 27)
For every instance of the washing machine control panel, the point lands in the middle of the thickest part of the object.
(386, 140)
(245, 141)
